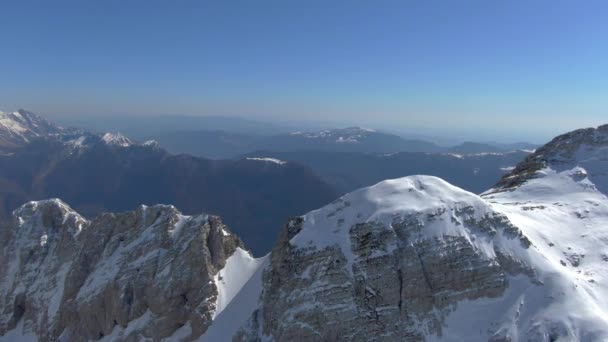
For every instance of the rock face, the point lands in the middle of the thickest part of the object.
(387, 263)
(148, 273)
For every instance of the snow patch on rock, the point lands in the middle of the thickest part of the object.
(269, 160)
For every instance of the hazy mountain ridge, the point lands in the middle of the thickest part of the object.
(348, 171)
(470, 147)
(223, 144)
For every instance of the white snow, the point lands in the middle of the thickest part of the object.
(119, 333)
(78, 142)
(180, 334)
(564, 216)
(507, 168)
(340, 135)
(19, 334)
(43, 239)
(269, 160)
(243, 302)
(11, 122)
(116, 139)
(240, 267)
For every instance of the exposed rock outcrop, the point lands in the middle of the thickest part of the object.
(141, 274)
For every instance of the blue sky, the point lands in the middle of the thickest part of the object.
(511, 69)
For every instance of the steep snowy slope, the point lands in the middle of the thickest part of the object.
(149, 273)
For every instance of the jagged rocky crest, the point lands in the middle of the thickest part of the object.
(146, 273)
(579, 147)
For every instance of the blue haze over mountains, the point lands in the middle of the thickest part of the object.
(254, 175)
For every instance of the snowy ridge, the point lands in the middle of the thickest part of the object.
(239, 268)
(266, 159)
(17, 128)
(564, 216)
(239, 288)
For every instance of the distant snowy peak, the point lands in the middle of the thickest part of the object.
(21, 126)
(116, 139)
(341, 135)
(584, 148)
(151, 143)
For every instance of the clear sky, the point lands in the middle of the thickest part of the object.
(523, 69)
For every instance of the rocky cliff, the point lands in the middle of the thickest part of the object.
(148, 273)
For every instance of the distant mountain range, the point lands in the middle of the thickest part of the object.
(224, 144)
(469, 147)
(407, 259)
(348, 171)
(110, 172)
(253, 192)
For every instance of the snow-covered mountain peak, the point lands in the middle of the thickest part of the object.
(21, 126)
(50, 214)
(116, 139)
(395, 258)
(583, 148)
(384, 203)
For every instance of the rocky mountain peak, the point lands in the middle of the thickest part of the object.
(144, 273)
(583, 148)
(47, 220)
(390, 260)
